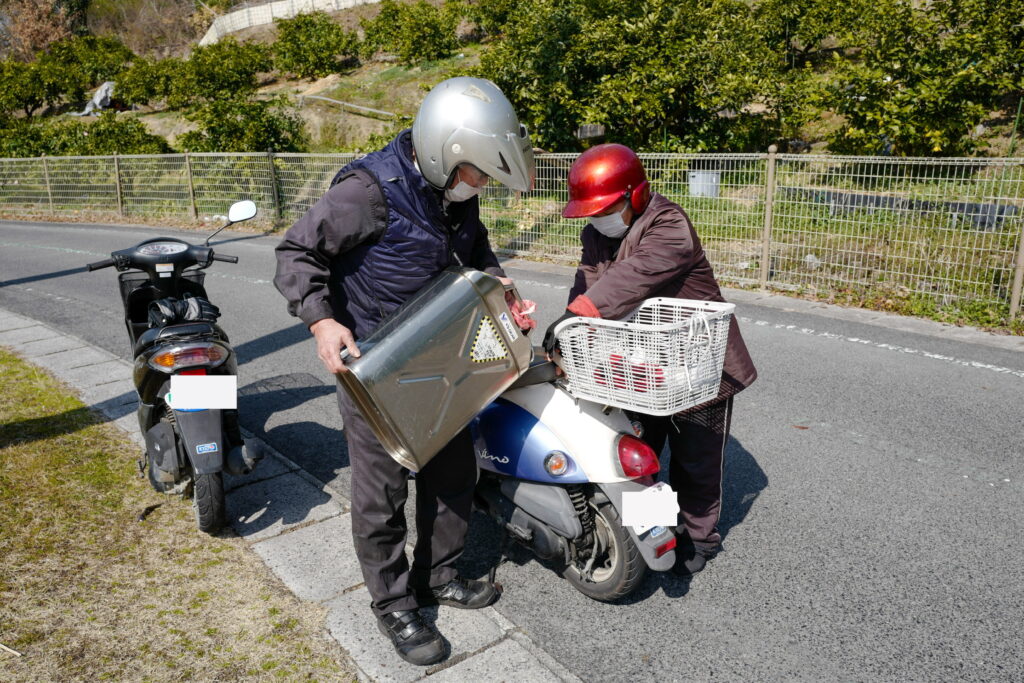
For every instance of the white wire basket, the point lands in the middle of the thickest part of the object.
(664, 357)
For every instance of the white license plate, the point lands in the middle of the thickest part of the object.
(203, 392)
(654, 506)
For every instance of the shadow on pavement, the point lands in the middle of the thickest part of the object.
(42, 276)
(320, 450)
(741, 485)
(265, 507)
(268, 343)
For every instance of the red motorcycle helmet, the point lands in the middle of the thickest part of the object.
(602, 176)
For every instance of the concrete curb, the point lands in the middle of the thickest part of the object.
(301, 529)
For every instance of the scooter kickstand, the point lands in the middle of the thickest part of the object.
(502, 555)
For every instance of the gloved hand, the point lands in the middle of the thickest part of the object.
(550, 341)
(168, 311)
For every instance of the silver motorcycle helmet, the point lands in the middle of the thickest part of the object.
(469, 120)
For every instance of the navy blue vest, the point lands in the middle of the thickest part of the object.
(374, 279)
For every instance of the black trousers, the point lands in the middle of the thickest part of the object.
(444, 500)
(696, 440)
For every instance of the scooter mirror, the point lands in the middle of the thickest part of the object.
(242, 211)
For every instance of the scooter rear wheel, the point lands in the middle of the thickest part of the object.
(618, 568)
(208, 502)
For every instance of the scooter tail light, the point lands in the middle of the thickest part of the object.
(173, 358)
(636, 457)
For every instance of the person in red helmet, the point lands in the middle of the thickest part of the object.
(638, 245)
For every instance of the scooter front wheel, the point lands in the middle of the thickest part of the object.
(208, 502)
(617, 567)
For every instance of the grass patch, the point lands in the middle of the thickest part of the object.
(88, 592)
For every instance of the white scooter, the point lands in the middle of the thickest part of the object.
(553, 471)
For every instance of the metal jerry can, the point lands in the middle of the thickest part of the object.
(435, 363)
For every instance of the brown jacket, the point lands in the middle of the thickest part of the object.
(661, 255)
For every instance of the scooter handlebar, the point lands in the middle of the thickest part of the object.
(105, 263)
(224, 258)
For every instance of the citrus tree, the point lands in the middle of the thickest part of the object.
(312, 46)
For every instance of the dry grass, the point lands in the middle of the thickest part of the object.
(87, 592)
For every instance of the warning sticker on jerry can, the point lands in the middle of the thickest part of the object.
(488, 345)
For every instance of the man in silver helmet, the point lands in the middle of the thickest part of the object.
(390, 223)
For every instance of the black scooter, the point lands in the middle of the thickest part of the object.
(172, 329)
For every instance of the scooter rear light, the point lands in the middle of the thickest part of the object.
(636, 457)
(193, 371)
(670, 544)
(189, 356)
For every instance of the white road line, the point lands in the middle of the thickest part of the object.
(534, 283)
(66, 250)
(240, 278)
(888, 347)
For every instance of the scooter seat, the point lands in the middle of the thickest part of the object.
(155, 334)
(540, 371)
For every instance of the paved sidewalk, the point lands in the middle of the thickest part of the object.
(301, 529)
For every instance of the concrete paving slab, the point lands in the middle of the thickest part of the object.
(12, 321)
(115, 407)
(352, 624)
(508, 661)
(130, 425)
(317, 562)
(75, 358)
(24, 335)
(268, 468)
(44, 347)
(89, 376)
(120, 387)
(268, 507)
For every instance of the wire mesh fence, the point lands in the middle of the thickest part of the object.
(935, 230)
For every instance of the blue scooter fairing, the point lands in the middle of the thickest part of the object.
(516, 444)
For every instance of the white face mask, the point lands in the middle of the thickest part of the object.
(611, 225)
(462, 191)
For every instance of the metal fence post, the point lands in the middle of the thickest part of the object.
(117, 185)
(46, 176)
(1018, 278)
(769, 201)
(273, 185)
(191, 186)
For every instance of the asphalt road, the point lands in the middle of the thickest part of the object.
(873, 491)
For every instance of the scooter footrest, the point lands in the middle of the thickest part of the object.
(520, 534)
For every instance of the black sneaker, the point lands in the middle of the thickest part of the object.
(415, 641)
(462, 593)
(692, 557)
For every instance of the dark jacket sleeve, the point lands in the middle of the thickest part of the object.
(588, 264)
(664, 253)
(350, 213)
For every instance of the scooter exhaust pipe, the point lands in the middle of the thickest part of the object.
(241, 460)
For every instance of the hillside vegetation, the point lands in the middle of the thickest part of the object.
(897, 77)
